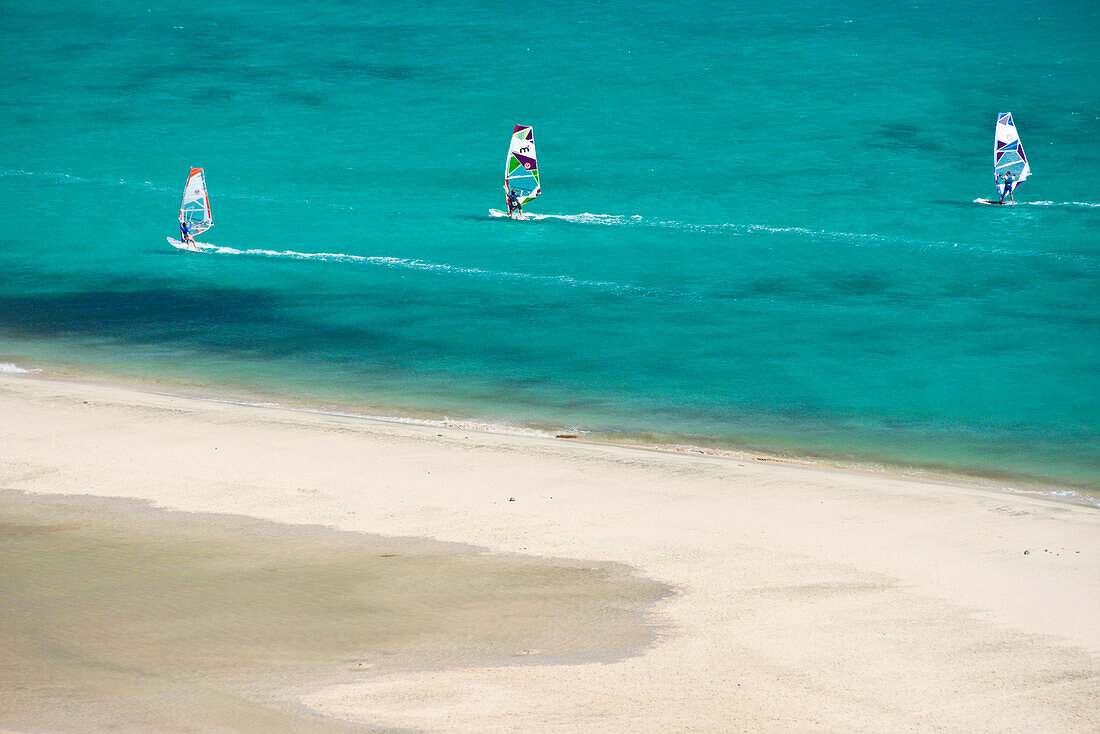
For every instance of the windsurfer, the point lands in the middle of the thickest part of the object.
(185, 233)
(1006, 187)
(513, 202)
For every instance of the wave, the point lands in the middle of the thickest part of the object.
(14, 369)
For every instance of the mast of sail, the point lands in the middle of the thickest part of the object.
(195, 209)
(521, 169)
(1008, 152)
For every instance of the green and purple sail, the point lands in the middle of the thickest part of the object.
(521, 170)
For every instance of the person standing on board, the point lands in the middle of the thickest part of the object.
(185, 233)
(513, 202)
(1007, 188)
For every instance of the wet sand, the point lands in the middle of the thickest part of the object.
(119, 616)
(805, 599)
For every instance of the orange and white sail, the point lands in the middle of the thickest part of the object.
(195, 209)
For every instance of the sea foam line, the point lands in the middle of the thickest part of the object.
(14, 369)
(423, 265)
(853, 238)
(636, 220)
(1085, 204)
(50, 175)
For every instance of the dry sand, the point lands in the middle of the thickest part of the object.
(806, 599)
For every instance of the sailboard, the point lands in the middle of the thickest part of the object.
(195, 208)
(1008, 157)
(521, 170)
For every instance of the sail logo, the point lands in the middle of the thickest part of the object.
(523, 149)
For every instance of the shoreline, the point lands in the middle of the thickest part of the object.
(805, 597)
(1087, 495)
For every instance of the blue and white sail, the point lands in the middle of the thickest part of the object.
(1008, 154)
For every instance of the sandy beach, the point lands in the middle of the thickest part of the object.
(746, 595)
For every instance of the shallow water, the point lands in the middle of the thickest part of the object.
(762, 229)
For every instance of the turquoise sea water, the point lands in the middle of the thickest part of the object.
(765, 234)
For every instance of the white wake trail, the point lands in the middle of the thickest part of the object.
(423, 265)
(1082, 204)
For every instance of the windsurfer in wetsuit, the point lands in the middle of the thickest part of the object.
(185, 233)
(1007, 188)
(513, 202)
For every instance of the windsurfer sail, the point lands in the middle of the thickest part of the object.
(1008, 157)
(195, 209)
(521, 170)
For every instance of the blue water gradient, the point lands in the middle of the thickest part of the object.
(765, 233)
